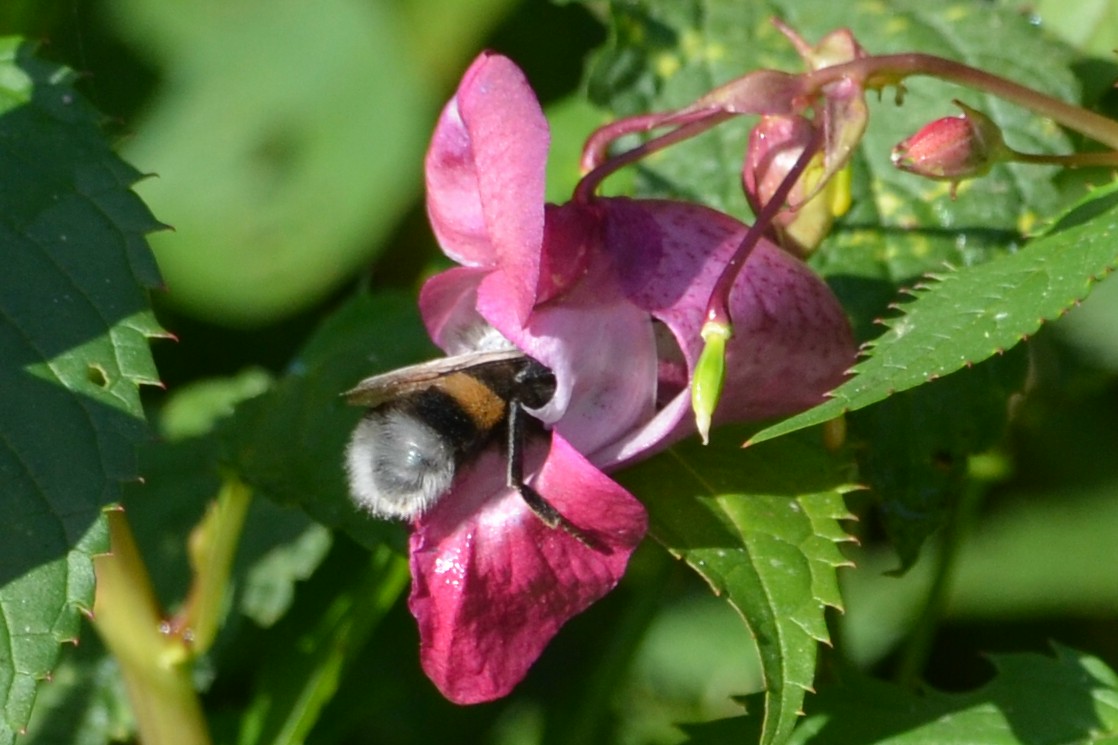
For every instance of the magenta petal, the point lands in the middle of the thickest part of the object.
(571, 232)
(485, 175)
(492, 584)
(792, 342)
(447, 303)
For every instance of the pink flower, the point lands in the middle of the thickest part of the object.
(609, 294)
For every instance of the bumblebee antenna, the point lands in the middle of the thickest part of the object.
(535, 501)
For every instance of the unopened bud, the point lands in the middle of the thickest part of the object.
(953, 148)
(818, 196)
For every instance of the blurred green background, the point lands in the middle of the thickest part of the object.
(285, 139)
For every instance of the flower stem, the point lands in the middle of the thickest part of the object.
(154, 665)
(596, 150)
(710, 369)
(718, 307)
(1069, 160)
(688, 127)
(984, 470)
(212, 547)
(890, 69)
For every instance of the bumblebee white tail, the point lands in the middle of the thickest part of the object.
(398, 466)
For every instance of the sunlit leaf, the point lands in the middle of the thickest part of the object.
(1034, 698)
(762, 528)
(961, 317)
(74, 330)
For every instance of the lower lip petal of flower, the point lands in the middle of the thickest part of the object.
(492, 584)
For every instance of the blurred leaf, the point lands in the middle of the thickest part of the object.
(278, 546)
(287, 140)
(918, 479)
(1046, 559)
(761, 527)
(288, 444)
(691, 664)
(196, 408)
(270, 577)
(1034, 699)
(1089, 25)
(1030, 560)
(965, 316)
(296, 682)
(74, 327)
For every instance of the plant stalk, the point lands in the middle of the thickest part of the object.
(914, 657)
(891, 69)
(153, 664)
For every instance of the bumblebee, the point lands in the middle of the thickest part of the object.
(427, 420)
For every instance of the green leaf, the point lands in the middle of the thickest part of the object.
(917, 479)
(762, 527)
(288, 444)
(1068, 698)
(294, 684)
(85, 702)
(74, 327)
(962, 317)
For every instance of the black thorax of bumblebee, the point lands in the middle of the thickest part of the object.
(471, 409)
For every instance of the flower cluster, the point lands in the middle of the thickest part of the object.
(609, 293)
(645, 311)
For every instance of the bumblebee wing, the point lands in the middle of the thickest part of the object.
(378, 389)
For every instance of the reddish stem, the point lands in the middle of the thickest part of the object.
(692, 124)
(888, 69)
(718, 307)
(1069, 160)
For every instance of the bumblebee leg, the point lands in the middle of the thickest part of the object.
(544, 510)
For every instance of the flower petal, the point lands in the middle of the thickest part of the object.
(448, 304)
(791, 344)
(602, 349)
(492, 584)
(485, 175)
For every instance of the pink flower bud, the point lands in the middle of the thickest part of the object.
(953, 148)
(775, 144)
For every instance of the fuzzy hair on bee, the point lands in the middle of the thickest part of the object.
(425, 421)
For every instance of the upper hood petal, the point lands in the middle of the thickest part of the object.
(485, 175)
